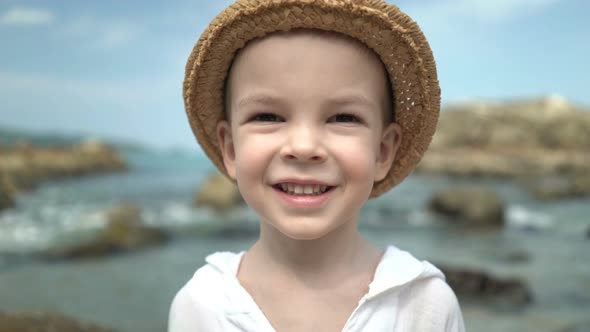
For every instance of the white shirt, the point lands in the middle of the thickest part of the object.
(405, 295)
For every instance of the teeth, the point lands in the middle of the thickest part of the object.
(297, 189)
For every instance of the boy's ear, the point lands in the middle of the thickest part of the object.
(226, 145)
(390, 142)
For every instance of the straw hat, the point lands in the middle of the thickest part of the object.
(390, 33)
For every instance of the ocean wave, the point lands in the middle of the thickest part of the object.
(518, 216)
(26, 237)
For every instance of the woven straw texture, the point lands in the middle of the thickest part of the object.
(390, 33)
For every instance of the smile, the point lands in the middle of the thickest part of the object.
(302, 189)
(304, 196)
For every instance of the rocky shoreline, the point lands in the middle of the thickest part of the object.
(526, 140)
(125, 231)
(23, 166)
(45, 322)
(542, 144)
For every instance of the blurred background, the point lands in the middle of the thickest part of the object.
(108, 205)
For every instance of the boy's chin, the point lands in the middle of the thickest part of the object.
(301, 236)
(304, 231)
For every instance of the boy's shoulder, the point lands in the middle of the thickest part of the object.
(400, 269)
(424, 298)
(204, 298)
(213, 278)
(420, 278)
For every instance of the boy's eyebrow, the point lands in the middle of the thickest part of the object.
(353, 99)
(259, 98)
(266, 99)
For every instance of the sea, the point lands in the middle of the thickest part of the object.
(132, 292)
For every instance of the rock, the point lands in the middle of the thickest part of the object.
(219, 193)
(6, 192)
(17, 169)
(509, 162)
(91, 249)
(101, 157)
(478, 286)
(476, 206)
(93, 146)
(517, 257)
(560, 187)
(27, 165)
(124, 232)
(541, 122)
(24, 146)
(45, 322)
(511, 139)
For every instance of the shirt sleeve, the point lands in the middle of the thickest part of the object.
(187, 314)
(454, 319)
(433, 307)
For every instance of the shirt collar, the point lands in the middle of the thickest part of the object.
(396, 268)
(225, 262)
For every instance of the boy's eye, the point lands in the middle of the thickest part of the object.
(266, 117)
(343, 117)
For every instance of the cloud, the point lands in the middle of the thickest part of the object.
(27, 16)
(102, 34)
(117, 34)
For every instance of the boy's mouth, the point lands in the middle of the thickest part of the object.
(302, 189)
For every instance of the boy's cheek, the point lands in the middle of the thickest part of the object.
(366, 147)
(253, 157)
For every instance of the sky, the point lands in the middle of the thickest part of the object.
(114, 69)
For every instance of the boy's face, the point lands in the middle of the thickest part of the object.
(307, 112)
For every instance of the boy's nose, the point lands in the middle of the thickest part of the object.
(303, 144)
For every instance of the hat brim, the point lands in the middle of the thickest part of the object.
(390, 33)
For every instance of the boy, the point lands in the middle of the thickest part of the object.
(286, 99)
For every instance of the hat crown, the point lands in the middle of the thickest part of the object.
(382, 27)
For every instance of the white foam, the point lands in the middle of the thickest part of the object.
(520, 217)
(420, 218)
(15, 238)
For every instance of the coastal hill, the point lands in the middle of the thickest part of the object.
(23, 164)
(544, 136)
(12, 137)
